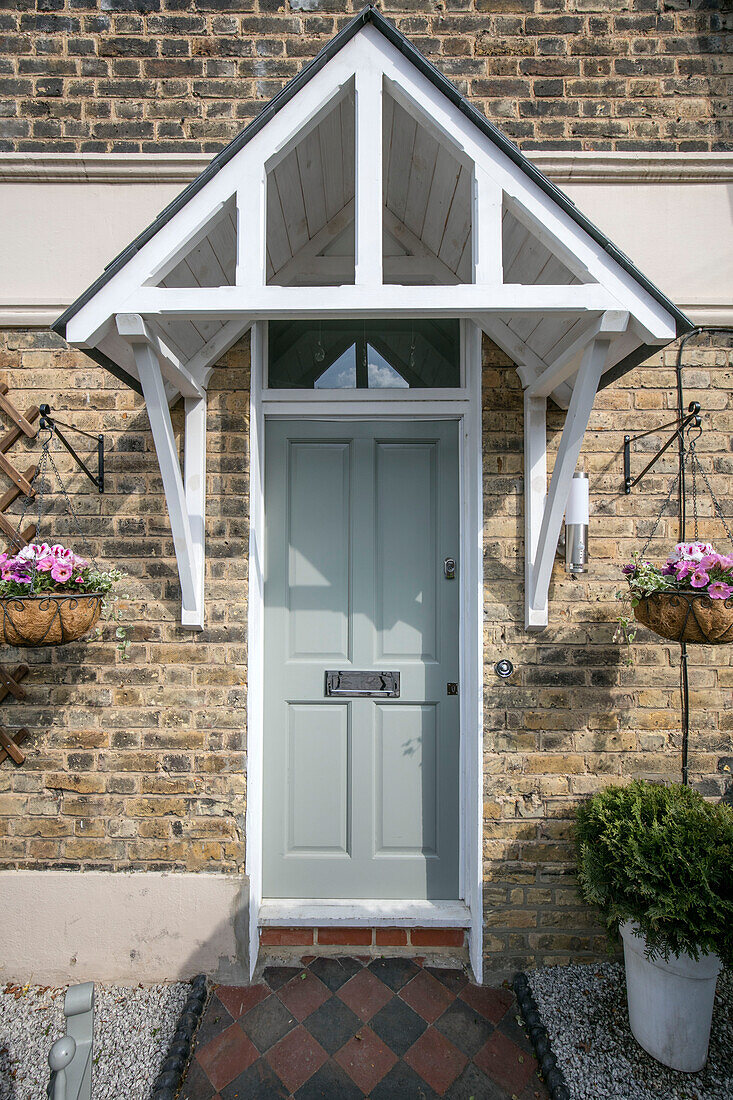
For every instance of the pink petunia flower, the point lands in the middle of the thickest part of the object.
(682, 569)
(78, 580)
(45, 565)
(709, 561)
(699, 578)
(720, 591)
(61, 572)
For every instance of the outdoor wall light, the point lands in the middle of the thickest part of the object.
(577, 513)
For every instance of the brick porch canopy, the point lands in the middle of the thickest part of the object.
(369, 187)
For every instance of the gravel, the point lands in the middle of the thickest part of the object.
(584, 1011)
(133, 1028)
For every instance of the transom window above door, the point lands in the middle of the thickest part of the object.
(355, 355)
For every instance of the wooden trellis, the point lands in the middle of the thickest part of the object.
(22, 483)
(22, 425)
(10, 741)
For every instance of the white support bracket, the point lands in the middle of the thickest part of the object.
(544, 508)
(132, 327)
(185, 495)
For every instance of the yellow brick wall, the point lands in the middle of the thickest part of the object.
(576, 715)
(140, 764)
(135, 763)
(162, 76)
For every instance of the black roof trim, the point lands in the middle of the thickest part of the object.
(371, 15)
(114, 368)
(634, 359)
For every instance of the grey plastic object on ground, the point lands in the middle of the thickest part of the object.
(70, 1057)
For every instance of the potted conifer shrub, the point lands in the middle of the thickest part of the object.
(657, 861)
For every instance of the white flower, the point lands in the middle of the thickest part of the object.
(32, 550)
(690, 551)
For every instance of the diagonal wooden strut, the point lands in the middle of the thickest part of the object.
(545, 507)
(185, 495)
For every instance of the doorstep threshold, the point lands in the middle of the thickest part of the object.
(308, 911)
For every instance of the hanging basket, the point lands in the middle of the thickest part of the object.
(48, 619)
(687, 616)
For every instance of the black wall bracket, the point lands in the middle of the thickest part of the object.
(51, 424)
(692, 420)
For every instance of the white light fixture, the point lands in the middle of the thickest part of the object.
(577, 514)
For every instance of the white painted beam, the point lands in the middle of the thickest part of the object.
(203, 362)
(368, 177)
(565, 364)
(581, 403)
(194, 482)
(251, 227)
(535, 494)
(133, 328)
(230, 302)
(527, 362)
(407, 84)
(189, 567)
(487, 230)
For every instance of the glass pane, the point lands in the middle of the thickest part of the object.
(341, 375)
(381, 375)
(386, 354)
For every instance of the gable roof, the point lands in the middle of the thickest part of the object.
(370, 15)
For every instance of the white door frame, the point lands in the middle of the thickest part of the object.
(463, 405)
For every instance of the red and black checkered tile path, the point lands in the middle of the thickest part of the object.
(343, 1029)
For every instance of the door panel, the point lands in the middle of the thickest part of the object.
(361, 794)
(407, 604)
(318, 779)
(406, 771)
(318, 540)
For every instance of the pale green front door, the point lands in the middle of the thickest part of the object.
(360, 792)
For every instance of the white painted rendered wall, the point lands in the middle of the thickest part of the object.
(63, 217)
(61, 926)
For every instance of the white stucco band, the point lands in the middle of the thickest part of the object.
(61, 926)
(671, 212)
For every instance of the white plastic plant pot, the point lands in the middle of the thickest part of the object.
(670, 1003)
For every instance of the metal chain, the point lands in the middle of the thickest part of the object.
(74, 516)
(46, 456)
(708, 486)
(16, 542)
(690, 459)
(658, 520)
(40, 475)
(691, 455)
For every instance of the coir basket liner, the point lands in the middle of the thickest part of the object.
(687, 617)
(48, 619)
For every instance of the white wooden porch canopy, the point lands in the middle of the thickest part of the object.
(370, 188)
